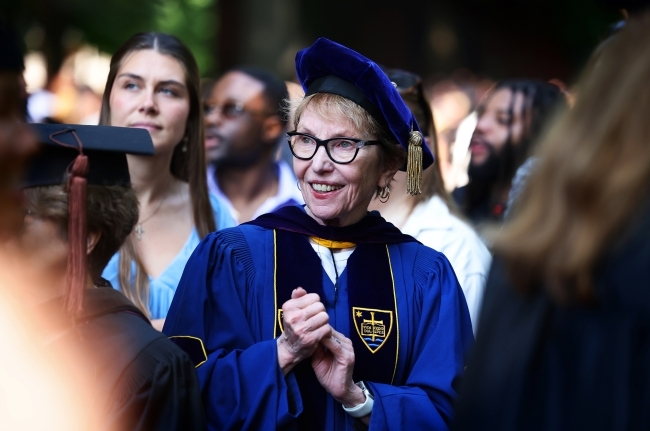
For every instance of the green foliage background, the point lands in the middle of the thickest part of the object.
(108, 23)
(195, 23)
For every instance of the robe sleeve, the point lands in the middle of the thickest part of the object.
(159, 391)
(242, 385)
(442, 337)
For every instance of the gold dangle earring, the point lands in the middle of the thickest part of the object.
(384, 194)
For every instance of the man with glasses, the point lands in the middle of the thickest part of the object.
(244, 124)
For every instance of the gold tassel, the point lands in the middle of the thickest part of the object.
(414, 164)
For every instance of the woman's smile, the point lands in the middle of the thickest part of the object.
(337, 194)
(324, 188)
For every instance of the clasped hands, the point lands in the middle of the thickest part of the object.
(307, 333)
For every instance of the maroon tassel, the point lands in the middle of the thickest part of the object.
(77, 236)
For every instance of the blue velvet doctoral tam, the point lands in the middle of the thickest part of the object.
(226, 299)
(321, 68)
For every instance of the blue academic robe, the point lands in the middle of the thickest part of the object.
(226, 299)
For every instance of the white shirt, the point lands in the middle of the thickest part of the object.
(433, 225)
(328, 259)
(287, 191)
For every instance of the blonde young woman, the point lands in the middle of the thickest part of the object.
(154, 84)
(564, 337)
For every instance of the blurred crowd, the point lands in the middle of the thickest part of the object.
(73, 96)
(537, 198)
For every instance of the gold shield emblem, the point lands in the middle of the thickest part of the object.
(280, 322)
(373, 326)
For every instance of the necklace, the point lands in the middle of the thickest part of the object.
(139, 230)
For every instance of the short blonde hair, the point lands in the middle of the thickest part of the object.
(332, 107)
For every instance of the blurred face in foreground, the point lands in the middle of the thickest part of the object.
(17, 144)
(500, 121)
(338, 194)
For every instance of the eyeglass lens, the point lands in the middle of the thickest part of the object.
(340, 150)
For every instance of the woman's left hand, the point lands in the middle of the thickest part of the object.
(333, 363)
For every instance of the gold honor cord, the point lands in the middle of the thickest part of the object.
(336, 245)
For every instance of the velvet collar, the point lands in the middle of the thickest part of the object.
(372, 229)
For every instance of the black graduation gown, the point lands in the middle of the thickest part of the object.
(142, 381)
(539, 366)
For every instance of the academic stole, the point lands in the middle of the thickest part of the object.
(374, 328)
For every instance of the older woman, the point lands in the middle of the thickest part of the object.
(321, 317)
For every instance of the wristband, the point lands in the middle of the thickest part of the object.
(363, 409)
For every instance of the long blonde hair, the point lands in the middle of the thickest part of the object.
(187, 164)
(592, 176)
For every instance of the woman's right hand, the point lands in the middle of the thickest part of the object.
(306, 323)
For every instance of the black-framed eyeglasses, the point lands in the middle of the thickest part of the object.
(340, 150)
(229, 110)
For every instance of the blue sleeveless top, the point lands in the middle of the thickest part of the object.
(162, 289)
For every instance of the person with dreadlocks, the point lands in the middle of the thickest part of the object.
(510, 119)
(563, 337)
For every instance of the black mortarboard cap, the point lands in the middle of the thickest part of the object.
(329, 67)
(76, 156)
(105, 146)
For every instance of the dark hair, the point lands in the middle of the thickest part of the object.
(275, 90)
(541, 99)
(111, 212)
(11, 53)
(592, 177)
(207, 84)
(188, 164)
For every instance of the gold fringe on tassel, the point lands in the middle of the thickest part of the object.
(414, 164)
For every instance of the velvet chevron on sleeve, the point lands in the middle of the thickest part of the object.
(241, 383)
